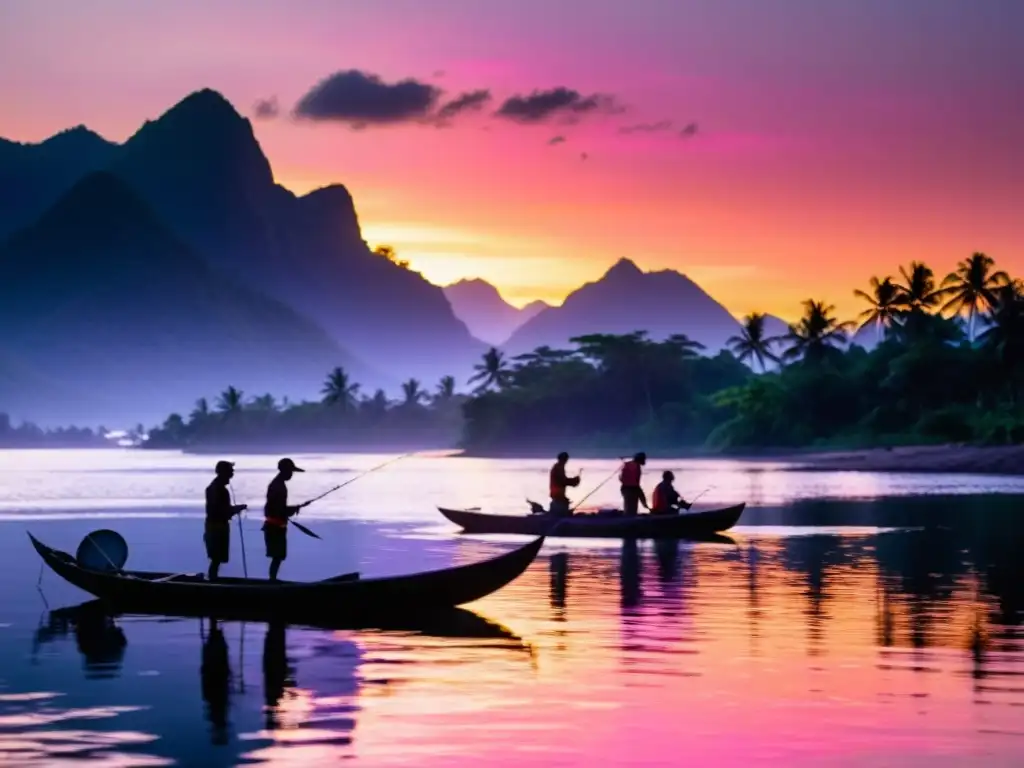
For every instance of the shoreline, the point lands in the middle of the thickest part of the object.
(935, 459)
(950, 458)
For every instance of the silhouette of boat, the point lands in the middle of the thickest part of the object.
(346, 595)
(612, 524)
(447, 622)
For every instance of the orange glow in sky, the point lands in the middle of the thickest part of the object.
(831, 141)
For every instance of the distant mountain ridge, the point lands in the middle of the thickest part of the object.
(487, 315)
(100, 300)
(627, 299)
(200, 169)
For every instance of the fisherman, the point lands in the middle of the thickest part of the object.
(276, 514)
(219, 511)
(632, 492)
(558, 482)
(666, 499)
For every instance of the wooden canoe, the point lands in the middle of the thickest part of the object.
(346, 595)
(694, 525)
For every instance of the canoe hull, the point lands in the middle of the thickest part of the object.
(696, 525)
(341, 596)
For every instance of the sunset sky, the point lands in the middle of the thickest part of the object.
(773, 150)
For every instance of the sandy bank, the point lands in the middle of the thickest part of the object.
(966, 459)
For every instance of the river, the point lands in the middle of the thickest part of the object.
(857, 619)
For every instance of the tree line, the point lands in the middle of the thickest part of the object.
(946, 365)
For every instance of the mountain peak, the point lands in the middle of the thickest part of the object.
(623, 268)
(102, 203)
(207, 104)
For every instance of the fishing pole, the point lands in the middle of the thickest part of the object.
(362, 474)
(241, 531)
(577, 506)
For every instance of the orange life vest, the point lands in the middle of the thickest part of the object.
(630, 475)
(656, 500)
(556, 486)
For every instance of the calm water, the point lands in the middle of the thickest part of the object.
(858, 619)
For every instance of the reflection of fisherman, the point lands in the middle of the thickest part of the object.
(219, 511)
(215, 675)
(666, 499)
(558, 482)
(632, 492)
(276, 673)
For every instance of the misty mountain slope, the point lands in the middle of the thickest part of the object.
(200, 166)
(626, 299)
(100, 294)
(33, 176)
(487, 315)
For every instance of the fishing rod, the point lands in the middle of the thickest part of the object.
(616, 470)
(362, 474)
(306, 530)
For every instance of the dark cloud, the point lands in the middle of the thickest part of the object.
(584, 155)
(688, 130)
(556, 140)
(465, 102)
(361, 99)
(267, 109)
(661, 125)
(541, 105)
(439, 73)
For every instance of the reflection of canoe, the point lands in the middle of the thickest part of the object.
(696, 525)
(450, 622)
(346, 595)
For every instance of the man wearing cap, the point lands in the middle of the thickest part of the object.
(276, 514)
(219, 511)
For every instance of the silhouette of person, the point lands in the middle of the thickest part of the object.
(219, 511)
(276, 514)
(558, 481)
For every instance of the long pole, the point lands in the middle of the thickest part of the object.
(577, 506)
(241, 533)
(362, 474)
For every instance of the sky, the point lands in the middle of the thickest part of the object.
(772, 150)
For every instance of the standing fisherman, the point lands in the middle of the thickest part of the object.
(219, 511)
(558, 482)
(632, 492)
(276, 514)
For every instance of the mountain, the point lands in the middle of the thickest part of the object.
(201, 170)
(488, 316)
(626, 299)
(33, 176)
(101, 302)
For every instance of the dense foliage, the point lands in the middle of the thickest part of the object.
(342, 418)
(947, 366)
(29, 435)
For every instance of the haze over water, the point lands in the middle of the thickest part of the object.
(859, 619)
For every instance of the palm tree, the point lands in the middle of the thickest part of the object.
(887, 299)
(445, 389)
(751, 341)
(492, 372)
(265, 403)
(201, 411)
(684, 345)
(412, 393)
(972, 288)
(817, 332)
(919, 287)
(339, 390)
(1005, 332)
(230, 401)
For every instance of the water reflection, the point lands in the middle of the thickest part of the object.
(898, 643)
